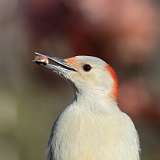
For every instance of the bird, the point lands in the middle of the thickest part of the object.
(92, 127)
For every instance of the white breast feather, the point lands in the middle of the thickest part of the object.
(87, 135)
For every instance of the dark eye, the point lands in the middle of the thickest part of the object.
(87, 67)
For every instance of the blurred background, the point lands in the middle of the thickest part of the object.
(125, 33)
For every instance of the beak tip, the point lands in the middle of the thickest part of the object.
(40, 59)
(39, 62)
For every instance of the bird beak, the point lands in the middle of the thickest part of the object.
(52, 63)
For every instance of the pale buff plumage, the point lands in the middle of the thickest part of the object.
(92, 127)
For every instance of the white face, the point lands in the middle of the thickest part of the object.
(86, 72)
(91, 73)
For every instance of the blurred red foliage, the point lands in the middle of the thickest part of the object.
(136, 99)
(124, 30)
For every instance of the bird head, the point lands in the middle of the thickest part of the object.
(88, 74)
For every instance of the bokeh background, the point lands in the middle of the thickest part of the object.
(125, 33)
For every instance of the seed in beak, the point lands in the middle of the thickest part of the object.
(41, 59)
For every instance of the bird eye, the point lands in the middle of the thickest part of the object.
(87, 67)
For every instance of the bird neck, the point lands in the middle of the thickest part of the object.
(96, 100)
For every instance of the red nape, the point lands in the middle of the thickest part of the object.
(115, 79)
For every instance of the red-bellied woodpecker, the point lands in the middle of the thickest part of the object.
(92, 127)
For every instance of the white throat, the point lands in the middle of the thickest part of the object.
(96, 101)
